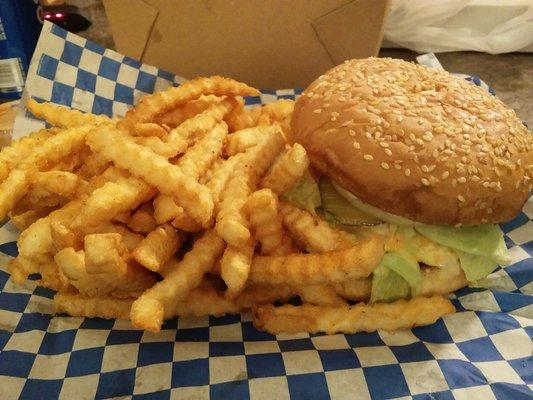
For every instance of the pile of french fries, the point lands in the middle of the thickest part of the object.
(176, 210)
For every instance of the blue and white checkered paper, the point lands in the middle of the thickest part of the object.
(481, 352)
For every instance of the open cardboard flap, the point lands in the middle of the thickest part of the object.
(269, 44)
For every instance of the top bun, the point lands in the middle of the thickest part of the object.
(416, 142)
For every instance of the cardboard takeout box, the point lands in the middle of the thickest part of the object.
(266, 43)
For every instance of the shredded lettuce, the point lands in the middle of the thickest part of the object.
(427, 251)
(305, 193)
(339, 210)
(388, 286)
(476, 267)
(397, 271)
(479, 240)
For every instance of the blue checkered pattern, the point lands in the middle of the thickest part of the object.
(481, 352)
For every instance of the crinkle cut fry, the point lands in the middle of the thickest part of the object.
(336, 266)
(12, 190)
(265, 221)
(287, 170)
(179, 138)
(240, 141)
(153, 306)
(111, 199)
(400, 314)
(158, 247)
(177, 115)
(63, 117)
(62, 183)
(194, 163)
(15, 153)
(51, 151)
(155, 170)
(232, 224)
(313, 232)
(160, 102)
(220, 177)
(235, 266)
(78, 305)
(204, 152)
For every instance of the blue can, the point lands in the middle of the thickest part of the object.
(19, 31)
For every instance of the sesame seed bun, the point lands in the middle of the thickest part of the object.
(416, 142)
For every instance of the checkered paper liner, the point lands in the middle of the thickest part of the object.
(481, 352)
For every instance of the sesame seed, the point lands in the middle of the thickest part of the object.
(486, 184)
(462, 179)
(368, 135)
(425, 182)
(388, 152)
(445, 175)
(368, 157)
(420, 142)
(317, 111)
(425, 168)
(352, 133)
(461, 198)
(407, 172)
(384, 165)
(489, 210)
(356, 145)
(431, 167)
(384, 144)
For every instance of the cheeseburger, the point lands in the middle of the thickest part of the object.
(422, 156)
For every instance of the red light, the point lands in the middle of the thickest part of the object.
(59, 15)
(47, 16)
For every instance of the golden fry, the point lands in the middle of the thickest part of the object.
(240, 141)
(265, 221)
(142, 220)
(155, 170)
(400, 314)
(184, 222)
(158, 247)
(12, 190)
(287, 170)
(112, 199)
(63, 117)
(96, 274)
(220, 177)
(15, 153)
(184, 135)
(161, 102)
(178, 115)
(23, 220)
(336, 266)
(165, 209)
(160, 301)
(62, 183)
(231, 223)
(204, 152)
(235, 267)
(78, 305)
(149, 129)
(312, 232)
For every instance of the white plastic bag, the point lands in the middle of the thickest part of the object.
(423, 26)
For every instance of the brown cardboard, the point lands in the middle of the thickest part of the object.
(267, 43)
